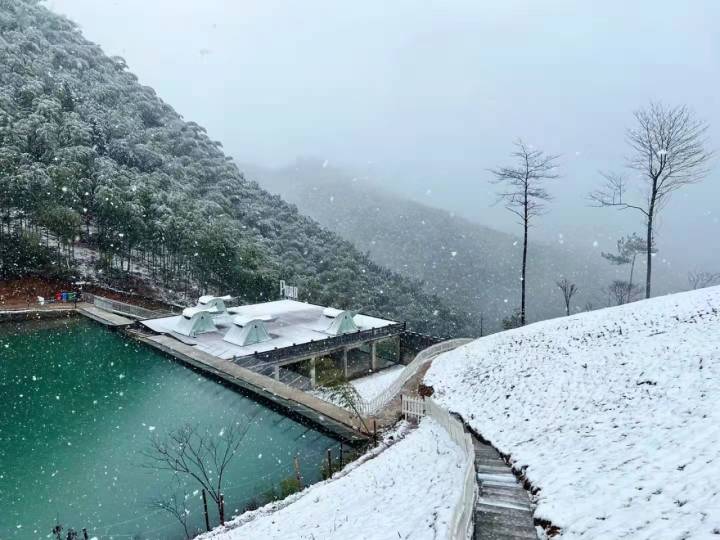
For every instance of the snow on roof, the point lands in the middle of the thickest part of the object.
(288, 322)
(206, 299)
(612, 414)
(242, 320)
(188, 312)
(332, 312)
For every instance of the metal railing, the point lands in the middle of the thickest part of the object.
(375, 405)
(122, 308)
(296, 380)
(313, 347)
(461, 521)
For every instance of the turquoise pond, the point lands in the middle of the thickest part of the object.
(79, 406)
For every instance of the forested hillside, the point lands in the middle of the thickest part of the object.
(474, 267)
(92, 161)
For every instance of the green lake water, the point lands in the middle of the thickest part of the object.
(78, 407)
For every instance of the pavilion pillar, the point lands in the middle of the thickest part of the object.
(276, 373)
(373, 356)
(313, 379)
(345, 363)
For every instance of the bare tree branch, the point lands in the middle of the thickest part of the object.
(199, 455)
(700, 280)
(613, 193)
(177, 508)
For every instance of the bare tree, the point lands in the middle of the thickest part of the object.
(525, 195)
(568, 291)
(628, 248)
(668, 152)
(620, 291)
(699, 280)
(177, 508)
(199, 455)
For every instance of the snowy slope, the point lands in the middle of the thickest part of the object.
(407, 491)
(371, 386)
(367, 387)
(613, 414)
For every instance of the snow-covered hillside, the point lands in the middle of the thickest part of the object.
(614, 415)
(406, 491)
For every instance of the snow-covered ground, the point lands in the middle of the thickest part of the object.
(406, 491)
(371, 386)
(613, 414)
(367, 387)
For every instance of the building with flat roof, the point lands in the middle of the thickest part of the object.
(285, 339)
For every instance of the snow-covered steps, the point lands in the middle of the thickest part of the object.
(503, 510)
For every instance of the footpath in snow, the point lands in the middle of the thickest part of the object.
(406, 491)
(614, 414)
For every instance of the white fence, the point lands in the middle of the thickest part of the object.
(462, 522)
(369, 408)
(413, 408)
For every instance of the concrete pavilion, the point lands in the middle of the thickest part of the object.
(284, 339)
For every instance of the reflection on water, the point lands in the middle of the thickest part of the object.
(78, 407)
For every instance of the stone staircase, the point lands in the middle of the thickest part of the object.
(503, 510)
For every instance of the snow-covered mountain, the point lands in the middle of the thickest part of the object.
(474, 267)
(611, 415)
(90, 156)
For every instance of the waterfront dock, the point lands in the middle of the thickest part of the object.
(331, 417)
(108, 318)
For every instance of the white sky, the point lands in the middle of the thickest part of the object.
(428, 95)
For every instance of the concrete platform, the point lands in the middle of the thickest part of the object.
(33, 314)
(104, 317)
(329, 416)
(291, 326)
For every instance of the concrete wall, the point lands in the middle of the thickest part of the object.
(35, 314)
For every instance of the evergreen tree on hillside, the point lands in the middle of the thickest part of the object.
(89, 156)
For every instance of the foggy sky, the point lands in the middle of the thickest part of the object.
(426, 96)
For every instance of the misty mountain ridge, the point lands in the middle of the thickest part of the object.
(473, 266)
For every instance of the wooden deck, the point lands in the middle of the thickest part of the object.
(503, 510)
(332, 417)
